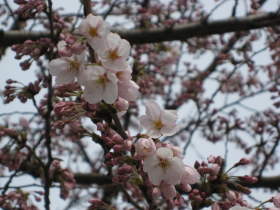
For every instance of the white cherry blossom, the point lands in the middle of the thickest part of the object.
(163, 166)
(95, 29)
(159, 122)
(100, 84)
(66, 69)
(114, 53)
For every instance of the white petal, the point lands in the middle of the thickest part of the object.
(156, 175)
(164, 153)
(169, 131)
(93, 95)
(145, 121)
(68, 77)
(168, 117)
(153, 110)
(153, 132)
(110, 93)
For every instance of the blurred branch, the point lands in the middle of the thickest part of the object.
(155, 35)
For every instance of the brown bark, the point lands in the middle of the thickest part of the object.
(155, 35)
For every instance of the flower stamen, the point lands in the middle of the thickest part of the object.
(164, 164)
(157, 123)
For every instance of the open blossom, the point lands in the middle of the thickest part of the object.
(100, 84)
(66, 69)
(114, 53)
(95, 29)
(163, 166)
(145, 147)
(159, 122)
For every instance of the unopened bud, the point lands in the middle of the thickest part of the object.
(248, 179)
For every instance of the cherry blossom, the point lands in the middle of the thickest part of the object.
(95, 29)
(163, 166)
(159, 122)
(114, 53)
(66, 69)
(100, 84)
(145, 147)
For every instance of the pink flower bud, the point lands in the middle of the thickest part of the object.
(100, 127)
(118, 139)
(65, 51)
(170, 204)
(179, 201)
(204, 164)
(248, 179)
(78, 48)
(231, 196)
(118, 148)
(156, 192)
(243, 161)
(219, 160)
(215, 168)
(127, 145)
(116, 180)
(23, 122)
(122, 104)
(196, 164)
(211, 159)
(215, 206)
(185, 187)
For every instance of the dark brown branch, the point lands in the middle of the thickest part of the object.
(178, 32)
(99, 179)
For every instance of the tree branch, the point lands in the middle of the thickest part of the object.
(155, 35)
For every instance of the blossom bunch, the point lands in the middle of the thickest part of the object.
(106, 79)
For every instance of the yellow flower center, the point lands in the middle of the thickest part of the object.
(72, 64)
(113, 54)
(164, 164)
(92, 31)
(157, 123)
(100, 82)
(119, 74)
(145, 148)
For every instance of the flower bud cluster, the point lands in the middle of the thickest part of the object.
(66, 90)
(28, 9)
(210, 172)
(18, 198)
(11, 159)
(124, 174)
(70, 45)
(23, 93)
(34, 49)
(64, 176)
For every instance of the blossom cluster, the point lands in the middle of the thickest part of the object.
(108, 78)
